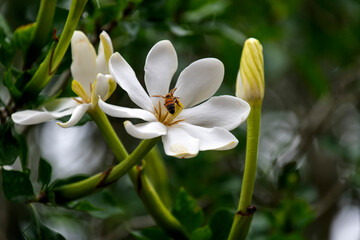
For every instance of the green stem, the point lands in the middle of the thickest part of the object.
(143, 186)
(92, 184)
(48, 67)
(156, 171)
(242, 220)
(43, 27)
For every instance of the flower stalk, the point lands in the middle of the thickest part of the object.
(143, 186)
(251, 87)
(44, 22)
(48, 67)
(243, 217)
(92, 184)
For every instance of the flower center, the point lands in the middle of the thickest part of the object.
(165, 117)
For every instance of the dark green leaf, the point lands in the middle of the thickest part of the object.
(23, 150)
(36, 230)
(17, 186)
(10, 84)
(9, 146)
(203, 233)
(220, 224)
(45, 171)
(150, 234)
(187, 211)
(101, 205)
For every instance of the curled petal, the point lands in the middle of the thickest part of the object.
(210, 138)
(83, 66)
(145, 130)
(104, 86)
(30, 117)
(123, 112)
(77, 114)
(160, 66)
(224, 111)
(104, 52)
(180, 144)
(125, 76)
(199, 81)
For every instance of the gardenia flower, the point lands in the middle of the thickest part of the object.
(192, 127)
(91, 79)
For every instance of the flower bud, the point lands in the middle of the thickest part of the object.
(250, 80)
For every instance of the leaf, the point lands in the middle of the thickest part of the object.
(203, 233)
(22, 37)
(17, 186)
(100, 205)
(187, 211)
(10, 84)
(220, 224)
(23, 149)
(9, 146)
(36, 230)
(150, 234)
(45, 171)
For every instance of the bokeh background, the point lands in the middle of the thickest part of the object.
(308, 177)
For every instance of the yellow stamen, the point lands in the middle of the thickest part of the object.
(79, 90)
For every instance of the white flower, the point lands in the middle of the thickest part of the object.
(192, 128)
(91, 79)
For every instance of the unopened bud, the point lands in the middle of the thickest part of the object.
(250, 84)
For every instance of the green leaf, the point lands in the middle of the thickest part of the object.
(187, 211)
(36, 230)
(23, 149)
(9, 145)
(17, 186)
(220, 224)
(203, 233)
(100, 205)
(22, 37)
(150, 234)
(10, 84)
(45, 171)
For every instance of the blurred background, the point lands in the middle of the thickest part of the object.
(308, 179)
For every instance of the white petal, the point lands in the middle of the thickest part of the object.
(123, 112)
(125, 76)
(83, 66)
(101, 86)
(180, 144)
(224, 111)
(60, 104)
(160, 66)
(199, 81)
(145, 130)
(210, 138)
(101, 63)
(78, 113)
(30, 117)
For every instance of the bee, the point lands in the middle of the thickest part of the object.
(170, 101)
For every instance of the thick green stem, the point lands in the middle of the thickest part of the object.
(43, 27)
(243, 217)
(92, 184)
(156, 171)
(48, 67)
(143, 186)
